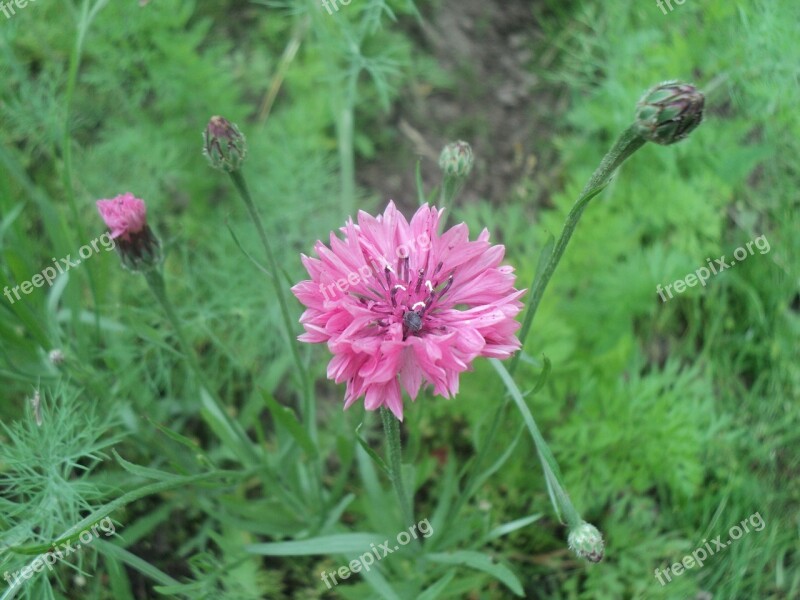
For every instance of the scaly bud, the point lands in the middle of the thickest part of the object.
(457, 159)
(585, 540)
(669, 112)
(224, 145)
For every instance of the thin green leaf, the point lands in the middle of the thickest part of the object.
(144, 472)
(342, 543)
(134, 562)
(286, 417)
(245, 252)
(376, 458)
(434, 591)
(512, 526)
(420, 184)
(480, 562)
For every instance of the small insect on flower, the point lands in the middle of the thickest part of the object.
(400, 305)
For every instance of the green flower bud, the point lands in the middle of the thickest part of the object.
(224, 145)
(457, 159)
(585, 541)
(669, 112)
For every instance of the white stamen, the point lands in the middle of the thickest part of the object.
(416, 304)
(429, 285)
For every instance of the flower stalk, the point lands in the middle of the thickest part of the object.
(214, 414)
(391, 426)
(663, 117)
(456, 162)
(225, 147)
(628, 143)
(309, 408)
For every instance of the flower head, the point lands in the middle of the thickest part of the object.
(456, 159)
(669, 112)
(224, 145)
(400, 306)
(137, 245)
(587, 542)
(123, 215)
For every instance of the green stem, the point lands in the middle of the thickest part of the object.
(214, 413)
(559, 497)
(345, 124)
(451, 187)
(628, 143)
(391, 427)
(309, 408)
(85, 20)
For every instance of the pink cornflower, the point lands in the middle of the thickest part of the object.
(137, 245)
(400, 305)
(123, 215)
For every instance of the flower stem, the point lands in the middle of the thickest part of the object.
(392, 428)
(628, 143)
(309, 408)
(559, 497)
(345, 124)
(451, 187)
(84, 21)
(213, 412)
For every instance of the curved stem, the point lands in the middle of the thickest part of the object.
(559, 497)
(628, 143)
(214, 413)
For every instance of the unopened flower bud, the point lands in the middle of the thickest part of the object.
(224, 145)
(457, 159)
(585, 541)
(669, 112)
(137, 245)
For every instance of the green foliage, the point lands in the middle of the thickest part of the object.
(671, 421)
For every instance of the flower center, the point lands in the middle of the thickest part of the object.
(407, 297)
(412, 320)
